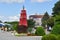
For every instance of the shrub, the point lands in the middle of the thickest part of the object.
(14, 27)
(58, 37)
(29, 30)
(56, 30)
(40, 31)
(49, 37)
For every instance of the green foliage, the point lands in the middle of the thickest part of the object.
(58, 37)
(56, 29)
(50, 21)
(57, 18)
(57, 23)
(14, 24)
(31, 23)
(56, 15)
(49, 37)
(56, 9)
(15, 27)
(30, 29)
(44, 19)
(40, 31)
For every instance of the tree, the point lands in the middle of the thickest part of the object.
(56, 15)
(56, 12)
(29, 30)
(44, 19)
(57, 18)
(56, 29)
(50, 22)
(31, 24)
(49, 37)
(14, 24)
(40, 31)
(56, 9)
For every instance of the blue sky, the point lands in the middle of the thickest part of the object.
(10, 9)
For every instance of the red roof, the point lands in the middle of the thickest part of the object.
(36, 16)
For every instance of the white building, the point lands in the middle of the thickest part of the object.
(37, 19)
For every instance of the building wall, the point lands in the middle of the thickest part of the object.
(37, 21)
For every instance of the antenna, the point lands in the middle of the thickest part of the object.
(23, 7)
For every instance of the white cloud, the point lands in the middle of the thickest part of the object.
(14, 18)
(0, 17)
(10, 18)
(40, 0)
(12, 1)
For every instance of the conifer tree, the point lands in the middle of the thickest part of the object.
(44, 19)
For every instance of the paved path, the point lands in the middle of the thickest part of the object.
(9, 36)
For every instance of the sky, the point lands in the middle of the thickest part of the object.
(10, 9)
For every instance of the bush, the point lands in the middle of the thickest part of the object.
(49, 37)
(14, 27)
(40, 31)
(29, 29)
(58, 37)
(56, 30)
